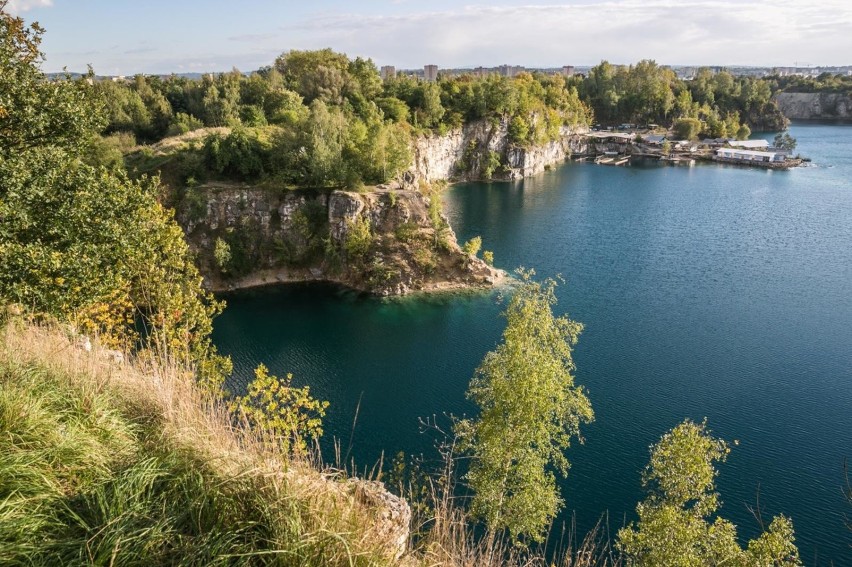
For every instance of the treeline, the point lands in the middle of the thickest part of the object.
(647, 93)
(823, 83)
(318, 118)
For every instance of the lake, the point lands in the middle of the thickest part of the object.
(714, 292)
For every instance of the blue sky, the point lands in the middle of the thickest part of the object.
(158, 36)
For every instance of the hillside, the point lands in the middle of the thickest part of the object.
(103, 462)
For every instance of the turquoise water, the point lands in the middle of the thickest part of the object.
(707, 291)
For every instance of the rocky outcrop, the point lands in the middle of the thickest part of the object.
(468, 153)
(387, 241)
(815, 106)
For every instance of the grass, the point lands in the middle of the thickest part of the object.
(109, 465)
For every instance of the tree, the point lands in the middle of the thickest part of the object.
(276, 407)
(529, 411)
(82, 244)
(472, 246)
(35, 112)
(673, 529)
(687, 128)
(785, 141)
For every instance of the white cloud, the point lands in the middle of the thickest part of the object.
(700, 32)
(18, 6)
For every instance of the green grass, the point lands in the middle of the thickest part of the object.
(93, 474)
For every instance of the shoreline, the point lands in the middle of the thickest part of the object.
(275, 277)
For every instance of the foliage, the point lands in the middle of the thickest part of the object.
(647, 93)
(785, 141)
(674, 527)
(222, 255)
(275, 406)
(35, 112)
(82, 244)
(488, 257)
(529, 411)
(472, 246)
(687, 128)
(358, 239)
(183, 123)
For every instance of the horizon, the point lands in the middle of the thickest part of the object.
(195, 37)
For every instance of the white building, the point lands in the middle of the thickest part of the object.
(750, 155)
(749, 144)
(388, 72)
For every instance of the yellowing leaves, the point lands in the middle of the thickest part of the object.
(275, 406)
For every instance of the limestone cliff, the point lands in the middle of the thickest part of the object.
(385, 241)
(483, 149)
(815, 106)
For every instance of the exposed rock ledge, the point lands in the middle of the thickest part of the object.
(459, 155)
(280, 236)
(815, 106)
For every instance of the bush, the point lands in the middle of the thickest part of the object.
(687, 128)
(472, 246)
(183, 123)
(358, 239)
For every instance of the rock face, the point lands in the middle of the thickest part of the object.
(385, 241)
(389, 241)
(462, 153)
(392, 514)
(815, 106)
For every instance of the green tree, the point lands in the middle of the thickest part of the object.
(785, 141)
(529, 411)
(35, 112)
(472, 246)
(674, 529)
(687, 128)
(276, 407)
(86, 245)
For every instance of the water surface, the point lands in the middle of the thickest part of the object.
(711, 292)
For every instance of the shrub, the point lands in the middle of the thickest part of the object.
(274, 406)
(358, 239)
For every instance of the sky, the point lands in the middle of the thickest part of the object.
(120, 37)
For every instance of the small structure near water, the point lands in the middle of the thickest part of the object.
(779, 159)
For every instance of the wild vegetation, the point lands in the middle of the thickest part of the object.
(134, 454)
(823, 83)
(647, 93)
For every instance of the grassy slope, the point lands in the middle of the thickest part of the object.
(101, 464)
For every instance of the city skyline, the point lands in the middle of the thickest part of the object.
(119, 38)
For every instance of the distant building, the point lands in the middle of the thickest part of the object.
(388, 72)
(430, 72)
(510, 70)
(567, 70)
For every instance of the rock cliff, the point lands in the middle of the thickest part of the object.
(815, 106)
(386, 241)
(390, 240)
(483, 149)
